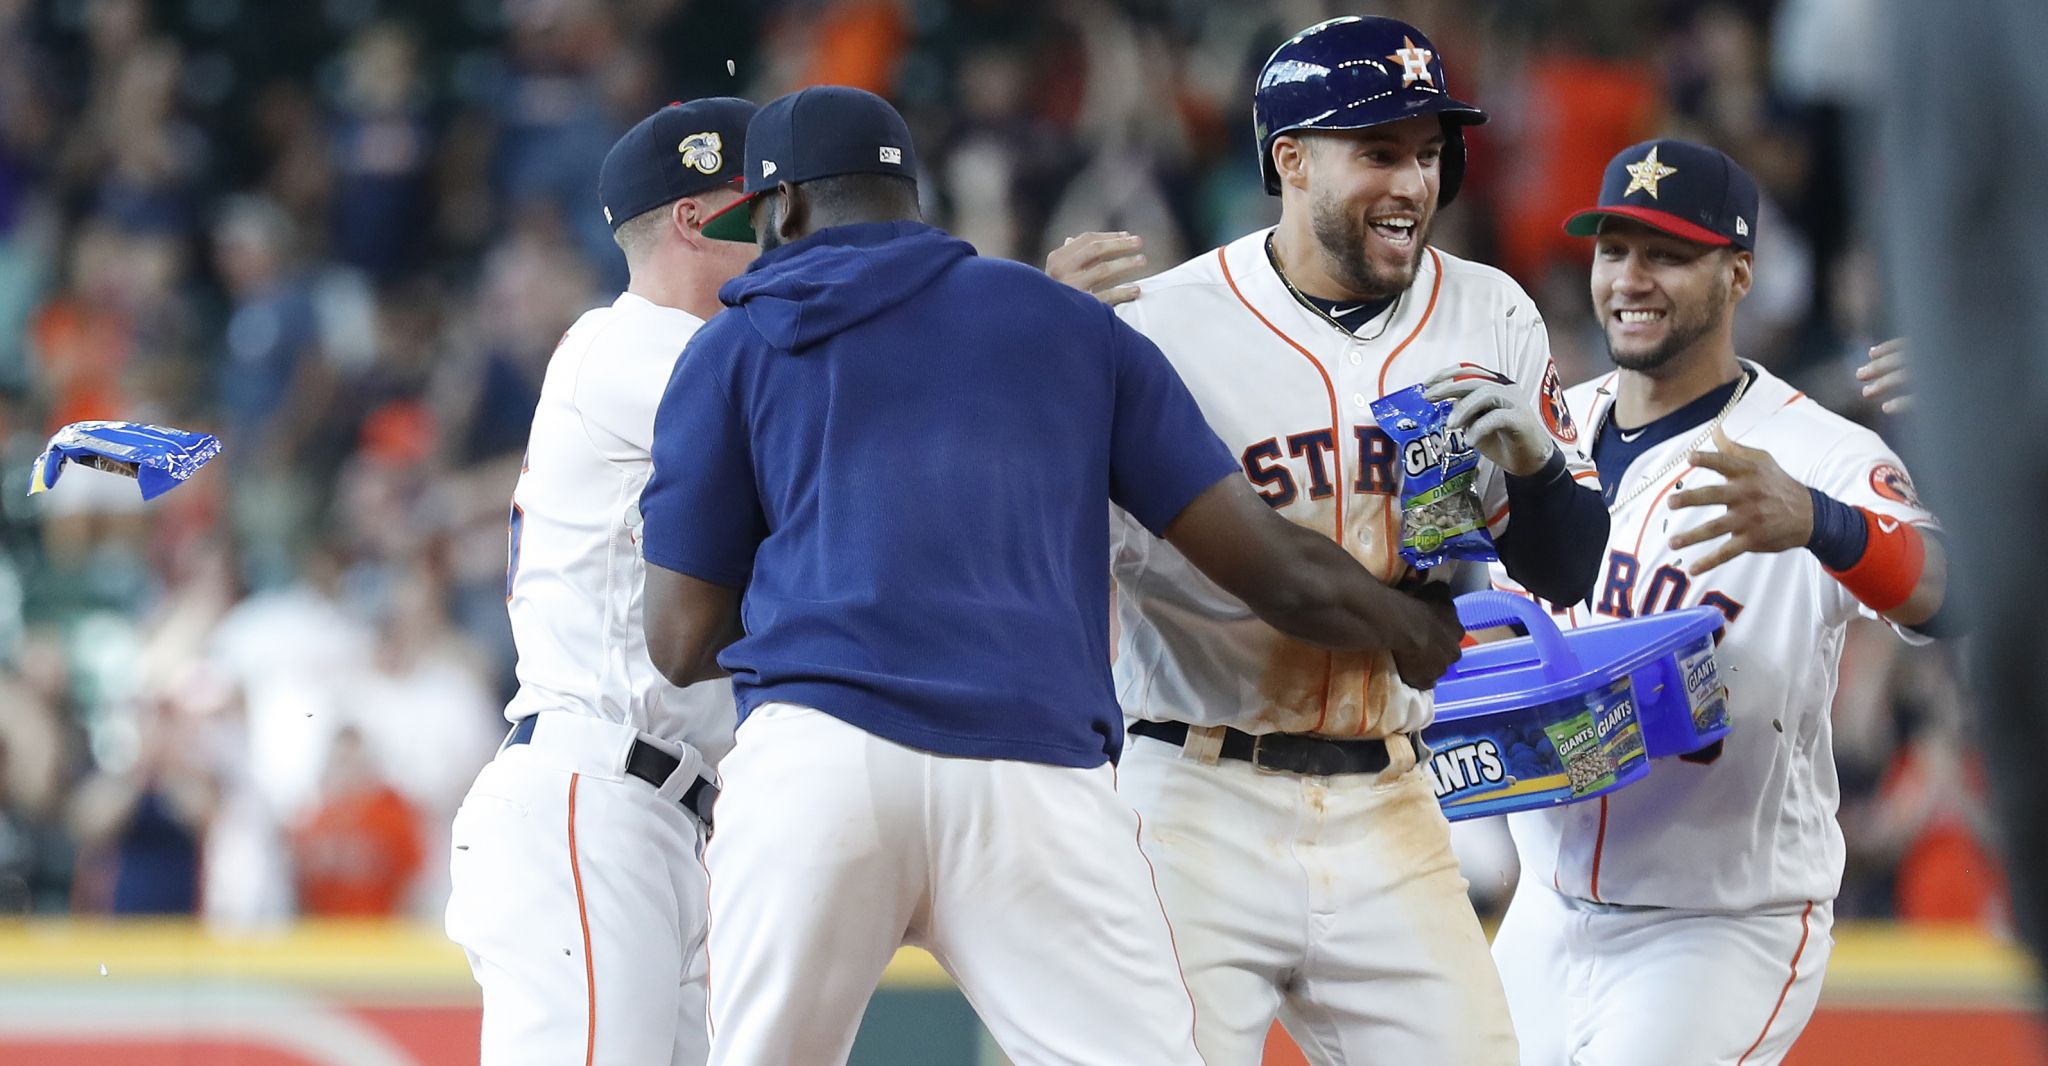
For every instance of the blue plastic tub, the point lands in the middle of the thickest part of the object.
(1558, 717)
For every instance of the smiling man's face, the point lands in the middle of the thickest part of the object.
(1372, 198)
(1657, 295)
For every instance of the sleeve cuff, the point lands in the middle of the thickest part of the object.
(1552, 470)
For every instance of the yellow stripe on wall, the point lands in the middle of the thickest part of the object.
(1872, 962)
(329, 953)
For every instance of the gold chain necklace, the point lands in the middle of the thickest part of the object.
(1706, 435)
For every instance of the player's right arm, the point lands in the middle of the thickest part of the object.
(1306, 586)
(1861, 520)
(1172, 474)
(703, 517)
(688, 622)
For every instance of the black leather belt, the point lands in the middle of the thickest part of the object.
(1292, 753)
(649, 764)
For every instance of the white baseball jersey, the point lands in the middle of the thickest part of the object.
(1752, 826)
(572, 582)
(1289, 391)
(597, 954)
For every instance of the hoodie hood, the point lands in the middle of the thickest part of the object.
(833, 280)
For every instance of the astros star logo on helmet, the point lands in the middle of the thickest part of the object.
(703, 152)
(1414, 63)
(1646, 174)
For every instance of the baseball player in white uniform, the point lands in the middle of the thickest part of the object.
(579, 892)
(1686, 919)
(1307, 871)
(929, 718)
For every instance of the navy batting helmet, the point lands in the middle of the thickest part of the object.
(1353, 72)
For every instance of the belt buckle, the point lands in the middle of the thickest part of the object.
(1258, 757)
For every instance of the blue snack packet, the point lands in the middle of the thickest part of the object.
(1440, 513)
(158, 457)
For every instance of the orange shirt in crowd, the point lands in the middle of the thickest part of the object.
(1945, 875)
(860, 43)
(82, 351)
(1578, 111)
(358, 854)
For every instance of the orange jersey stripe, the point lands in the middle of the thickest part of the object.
(1336, 453)
(583, 919)
(1805, 931)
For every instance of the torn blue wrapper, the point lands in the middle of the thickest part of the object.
(1441, 518)
(157, 457)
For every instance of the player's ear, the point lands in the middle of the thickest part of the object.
(796, 210)
(1290, 160)
(1741, 276)
(687, 215)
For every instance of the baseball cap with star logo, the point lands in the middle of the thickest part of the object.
(681, 150)
(1687, 190)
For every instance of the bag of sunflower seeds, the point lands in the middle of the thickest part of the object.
(1441, 518)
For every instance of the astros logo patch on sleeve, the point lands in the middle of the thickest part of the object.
(1556, 416)
(1892, 483)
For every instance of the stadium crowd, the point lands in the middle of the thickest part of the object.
(346, 235)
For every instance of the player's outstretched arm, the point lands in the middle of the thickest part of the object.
(1306, 586)
(688, 622)
(1886, 563)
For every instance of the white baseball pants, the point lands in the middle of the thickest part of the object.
(1333, 903)
(1592, 984)
(835, 847)
(579, 897)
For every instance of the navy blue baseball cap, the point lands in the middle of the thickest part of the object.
(823, 132)
(1687, 190)
(681, 150)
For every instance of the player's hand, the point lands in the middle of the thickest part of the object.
(1436, 639)
(1494, 417)
(1885, 377)
(1765, 510)
(1100, 264)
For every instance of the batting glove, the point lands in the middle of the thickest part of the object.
(1494, 416)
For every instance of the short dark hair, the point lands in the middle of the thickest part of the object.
(862, 198)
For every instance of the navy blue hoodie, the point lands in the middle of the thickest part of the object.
(902, 452)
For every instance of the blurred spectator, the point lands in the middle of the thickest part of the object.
(532, 286)
(29, 880)
(382, 148)
(359, 849)
(139, 828)
(1570, 113)
(285, 651)
(274, 383)
(35, 760)
(1936, 797)
(553, 128)
(425, 713)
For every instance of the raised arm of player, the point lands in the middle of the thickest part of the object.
(1306, 586)
(1872, 535)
